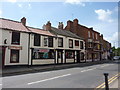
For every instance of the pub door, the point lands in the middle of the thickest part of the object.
(60, 57)
(2, 56)
(78, 56)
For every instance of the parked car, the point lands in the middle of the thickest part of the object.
(116, 58)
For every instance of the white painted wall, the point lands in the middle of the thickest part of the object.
(23, 57)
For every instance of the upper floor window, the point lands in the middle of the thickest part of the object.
(16, 38)
(50, 41)
(90, 45)
(81, 45)
(36, 40)
(45, 41)
(88, 33)
(60, 42)
(70, 43)
(76, 43)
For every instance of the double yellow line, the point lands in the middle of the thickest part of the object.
(109, 81)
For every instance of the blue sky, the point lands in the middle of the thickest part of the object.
(102, 16)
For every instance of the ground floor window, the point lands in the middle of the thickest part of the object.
(82, 56)
(70, 54)
(14, 56)
(89, 56)
(42, 54)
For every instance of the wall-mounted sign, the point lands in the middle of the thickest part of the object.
(41, 50)
(15, 47)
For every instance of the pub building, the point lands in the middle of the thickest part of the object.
(14, 42)
(41, 47)
(24, 45)
(69, 47)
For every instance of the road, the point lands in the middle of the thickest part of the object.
(77, 77)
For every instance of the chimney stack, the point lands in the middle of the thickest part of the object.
(102, 36)
(60, 26)
(69, 25)
(23, 21)
(75, 22)
(48, 26)
(91, 28)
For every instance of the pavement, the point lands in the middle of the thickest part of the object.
(17, 70)
(90, 76)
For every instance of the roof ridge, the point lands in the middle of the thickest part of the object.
(35, 28)
(10, 20)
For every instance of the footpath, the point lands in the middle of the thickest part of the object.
(17, 70)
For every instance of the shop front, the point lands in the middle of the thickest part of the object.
(43, 56)
(70, 56)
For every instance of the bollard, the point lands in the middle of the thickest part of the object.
(106, 81)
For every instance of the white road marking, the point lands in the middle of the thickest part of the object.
(88, 70)
(106, 65)
(48, 79)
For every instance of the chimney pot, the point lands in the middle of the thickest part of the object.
(60, 26)
(23, 21)
(75, 22)
(48, 26)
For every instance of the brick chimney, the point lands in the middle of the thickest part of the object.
(23, 21)
(91, 28)
(75, 22)
(69, 25)
(48, 26)
(60, 26)
(102, 36)
(75, 25)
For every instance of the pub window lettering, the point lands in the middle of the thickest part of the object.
(44, 55)
(16, 38)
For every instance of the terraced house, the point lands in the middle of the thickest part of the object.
(95, 44)
(25, 45)
(14, 45)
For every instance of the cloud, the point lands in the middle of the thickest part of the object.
(78, 2)
(20, 5)
(104, 15)
(114, 39)
(116, 9)
(27, 6)
(12, 1)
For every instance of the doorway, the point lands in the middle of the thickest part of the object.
(2, 56)
(60, 57)
(78, 56)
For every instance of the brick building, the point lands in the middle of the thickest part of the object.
(93, 40)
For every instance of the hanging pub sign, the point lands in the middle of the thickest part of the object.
(41, 50)
(15, 47)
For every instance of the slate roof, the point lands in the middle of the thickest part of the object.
(64, 33)
(12, 25)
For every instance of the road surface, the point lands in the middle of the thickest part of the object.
(77, 77)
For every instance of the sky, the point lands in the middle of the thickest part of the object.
(102, 16)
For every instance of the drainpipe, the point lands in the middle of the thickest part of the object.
(28, 49)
